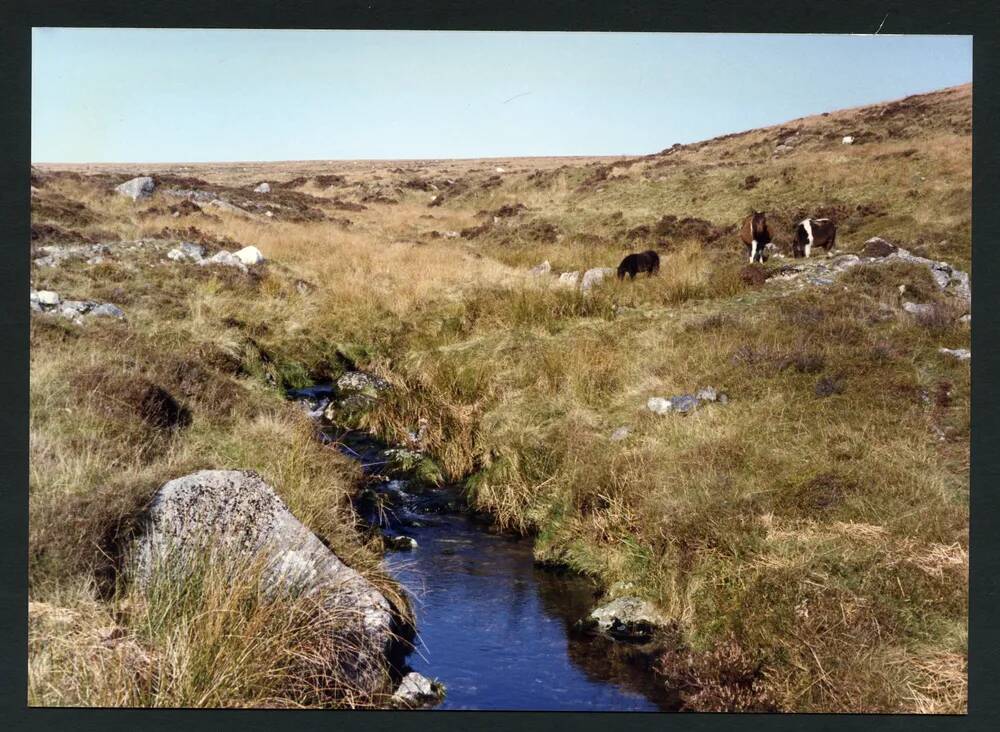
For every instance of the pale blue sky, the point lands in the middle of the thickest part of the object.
(124, 95)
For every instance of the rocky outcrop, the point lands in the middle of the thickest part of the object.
(48, 301)
(136, 188)
(234, 517)
(187, 251)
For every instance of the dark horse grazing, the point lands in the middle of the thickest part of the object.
(814, 232)
(633, 264)
(755, 235)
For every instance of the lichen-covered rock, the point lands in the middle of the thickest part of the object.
(137, 187)
(594, 277)
(628, 618)
(416, 690)
(234, 517)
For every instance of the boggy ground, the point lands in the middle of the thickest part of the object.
(809, 538)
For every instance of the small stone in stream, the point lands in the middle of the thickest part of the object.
(962, 354)
(620, 434)
(416, 690)
(628, 618)
(401, 543)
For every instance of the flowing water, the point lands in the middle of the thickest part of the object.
(495, 628)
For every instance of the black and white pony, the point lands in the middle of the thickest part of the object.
(814, 232)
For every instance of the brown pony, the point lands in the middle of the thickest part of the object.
(755, 236)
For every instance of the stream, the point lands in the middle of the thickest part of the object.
(493, 626)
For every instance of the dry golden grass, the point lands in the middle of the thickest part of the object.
(816, 525)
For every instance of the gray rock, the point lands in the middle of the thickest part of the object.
(227, 206)
(249, 255)
(137, 187)
(541, 269)
(416, 690)
(659, 405)
(224, 258)
(233, 517)
(358, 381)
(36, 306)
(962, 354)
(187, 251)
(594, 277)
(918, 309)
(620, 434)
(107, 310)
(262, 188)
(569, 278)
(629, 618)
(192, 195)
(708, 394)
(47, 297)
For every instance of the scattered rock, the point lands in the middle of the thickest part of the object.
(46, 297)
(918, 309)
(417, 691)
(595, 276)
(107, 310)
(685, 403)
(249, 255)
(263, 188)
(224, 258)
(187, 251)
(962, 354)
(628, 618)
(227, 206)
(848, 140)
(137, 187)
(235, 518)
(541, 269)
(569, 278)
(620, 434)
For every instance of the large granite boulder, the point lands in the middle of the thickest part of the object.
(137, 187)
(233, 516)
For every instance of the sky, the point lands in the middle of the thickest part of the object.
(161, 95)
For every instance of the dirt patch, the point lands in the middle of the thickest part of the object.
(327, 181)
(123, 396)
(342, 205)
(754, 275)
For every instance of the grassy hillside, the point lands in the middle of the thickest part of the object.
(810, 537)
